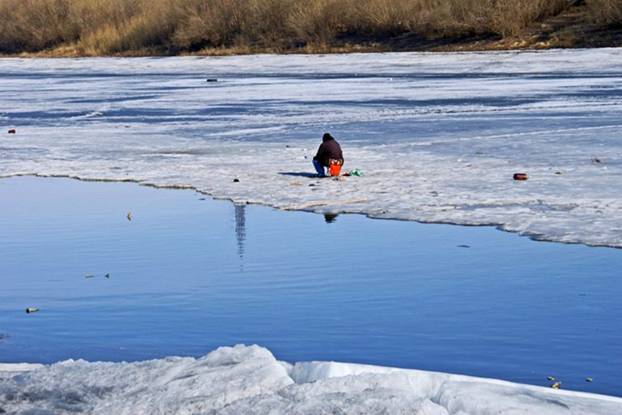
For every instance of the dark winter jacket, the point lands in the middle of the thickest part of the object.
(329, 149)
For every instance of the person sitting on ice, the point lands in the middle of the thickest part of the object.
(328, 156)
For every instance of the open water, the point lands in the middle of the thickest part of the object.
(187, 274)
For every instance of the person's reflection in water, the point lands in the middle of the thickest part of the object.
(330, 217)
(240, 228)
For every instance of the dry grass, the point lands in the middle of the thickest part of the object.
(511, 16)
(606, 11)
(94, 27)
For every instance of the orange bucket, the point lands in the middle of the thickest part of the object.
(335, 168)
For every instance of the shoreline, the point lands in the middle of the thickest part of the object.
(233, 52)
(541, 37)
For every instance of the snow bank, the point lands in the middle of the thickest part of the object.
(438, 136)
(249, 380)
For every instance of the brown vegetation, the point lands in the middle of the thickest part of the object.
(104, 27)
(606, 11)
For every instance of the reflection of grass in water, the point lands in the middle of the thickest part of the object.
(330, 217)
(94, 27)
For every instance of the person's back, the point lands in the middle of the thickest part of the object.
(328, 153)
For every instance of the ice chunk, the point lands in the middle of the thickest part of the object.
(249, 380)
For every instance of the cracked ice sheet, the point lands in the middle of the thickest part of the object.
(438, 136)
(249, 380)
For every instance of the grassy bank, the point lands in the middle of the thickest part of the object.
(109, 27)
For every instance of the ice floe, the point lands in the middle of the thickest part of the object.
(249, 380)
(438, 136)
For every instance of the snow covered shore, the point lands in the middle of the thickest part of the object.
(438, 136)
(249, 380)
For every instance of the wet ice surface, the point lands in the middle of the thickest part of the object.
(189, 275)
(438, 136)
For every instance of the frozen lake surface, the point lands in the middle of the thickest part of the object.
(189, 274)
(438, 136)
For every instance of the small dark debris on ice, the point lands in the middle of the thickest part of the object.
(93, 276)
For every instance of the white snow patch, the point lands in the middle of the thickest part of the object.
(19, 367)
(249, 380)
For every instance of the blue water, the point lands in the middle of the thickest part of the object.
(188, 274)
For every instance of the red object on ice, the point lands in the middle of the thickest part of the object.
(334, 168)
(520, 176)
(12, 131)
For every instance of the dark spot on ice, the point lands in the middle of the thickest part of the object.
(72, 398)
(236, 180)
(546, 400)
(298, 174)
(212, 80)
